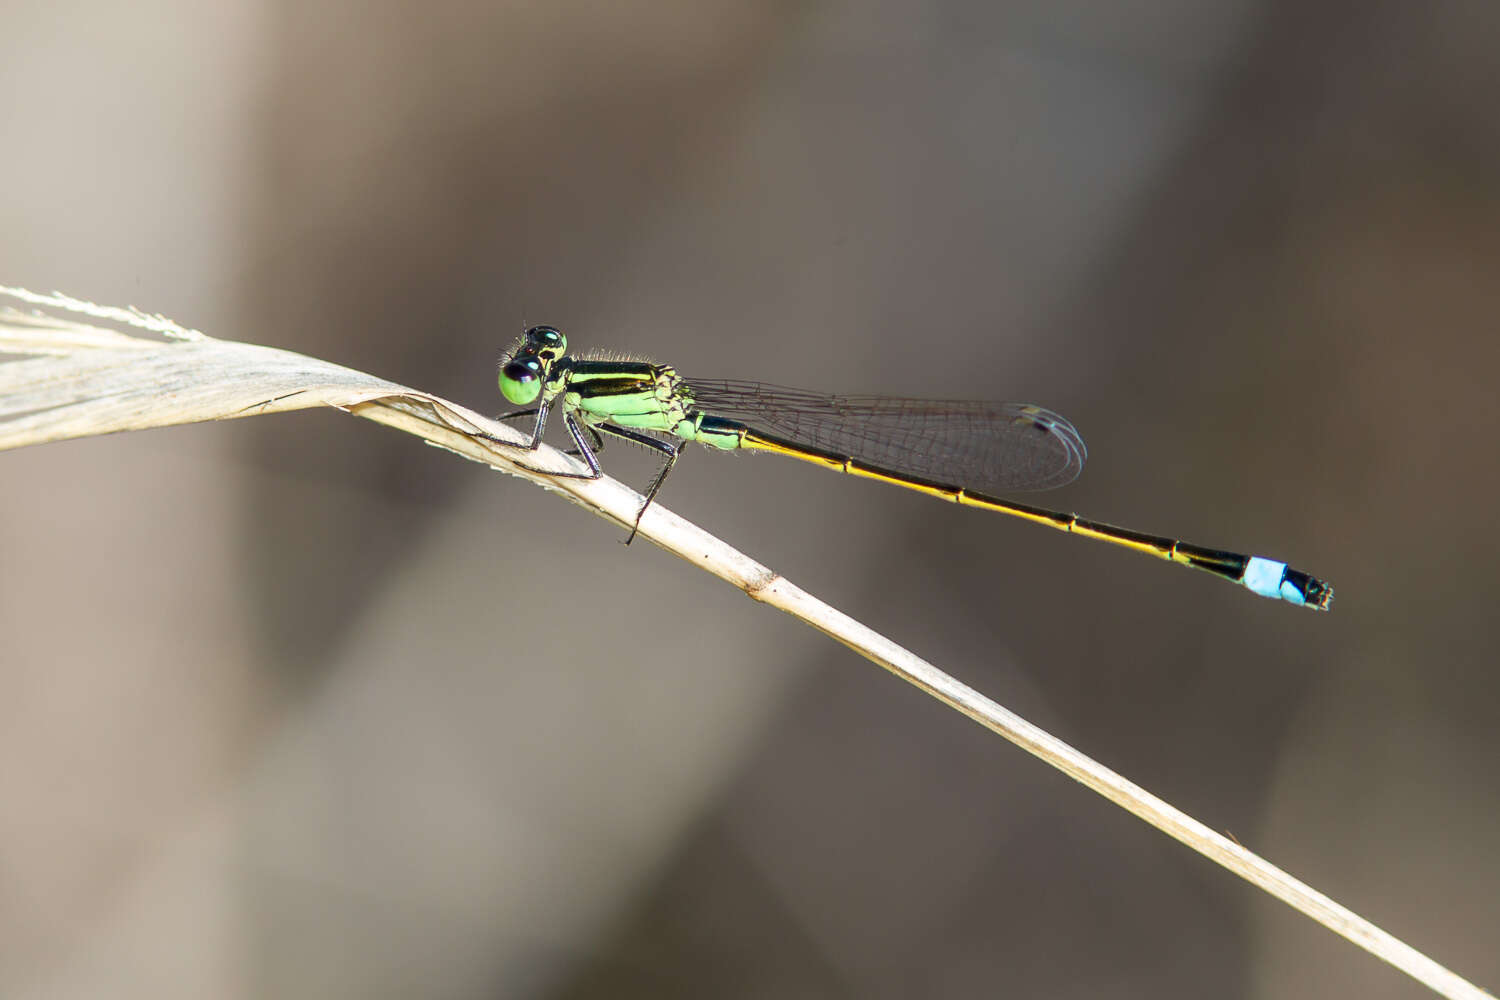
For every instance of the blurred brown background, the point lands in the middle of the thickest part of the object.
(295, 707)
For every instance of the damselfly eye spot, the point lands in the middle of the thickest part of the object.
(521, 380)
(523, 370)
(546, 340)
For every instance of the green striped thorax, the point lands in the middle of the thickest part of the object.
(632, 394)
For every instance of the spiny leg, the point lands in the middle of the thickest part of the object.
(656, 444)
(536, 442)
(536, 431)
(587, 453)
(584, 452)
(594, 439)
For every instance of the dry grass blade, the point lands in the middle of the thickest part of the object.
(75, 379)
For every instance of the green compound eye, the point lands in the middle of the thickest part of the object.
(521, 380)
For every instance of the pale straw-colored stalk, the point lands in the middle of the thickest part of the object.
(74, 379)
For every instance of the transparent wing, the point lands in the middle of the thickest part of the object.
(986, 447)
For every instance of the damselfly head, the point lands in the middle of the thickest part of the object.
(524, 367)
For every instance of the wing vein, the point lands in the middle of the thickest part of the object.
(980, 446)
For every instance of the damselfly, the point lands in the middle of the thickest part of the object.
(963, 452)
